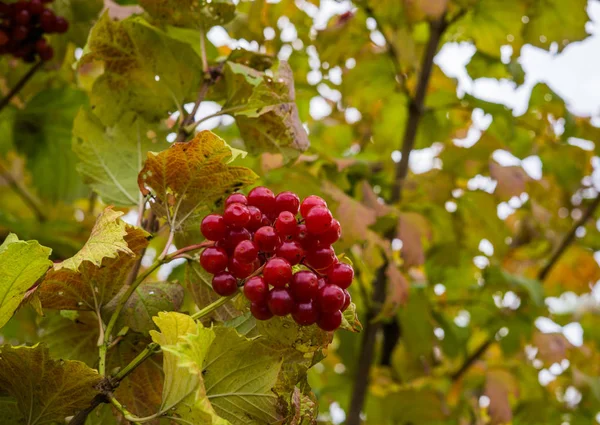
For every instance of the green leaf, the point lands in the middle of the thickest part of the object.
(284, 332)
(350, 320)
(145, 71)
(112, 156)
(91, 278)
(534, 288)
(43, 135)
(22, 263)
(190, 175)
(265, 110)
(556, 21)
(45, 390)
(484, 66)
(191, 13)
(147, 301)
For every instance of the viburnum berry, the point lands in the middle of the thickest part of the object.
(318, 220)
(321, 257)
(330, 298)
(286, 223)
(236, 198)
(280, 301)
(262, 198)
(239, 269)
(255, 219)
(224, 284)
(214, 259)
(287, 201)
(246, 252)
(236, 215)
(213, 227)
(277, 272)
(310, 202)
(292, 251)
(347, 300)
(304, 286)
(307, 240)
(256, 290)
(341, 275)
(332, 234)
(305, 314)
(234, 236)
(330, 321)
(260, 311)
(266, 239)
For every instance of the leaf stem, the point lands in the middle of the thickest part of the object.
(165, 251)
(212, 306)
(6, 100)
(147, 352)
(130, 416)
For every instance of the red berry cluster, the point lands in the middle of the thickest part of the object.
(259, 238)
(22, 28)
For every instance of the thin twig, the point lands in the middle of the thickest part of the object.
(30, 200)
(472, 359)
(372, 327)
(17, 88)
(568, 240)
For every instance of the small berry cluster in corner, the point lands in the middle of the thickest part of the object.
(22, 28)
(259, 238)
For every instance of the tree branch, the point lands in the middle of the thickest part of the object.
(17, 88)
(472, 359)
(31, 201)
(568, 240)
(379, 287)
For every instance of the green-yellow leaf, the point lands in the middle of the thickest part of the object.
(46, 391)
(22, 263)
(112, 156)
(189, 175)
(191, 13)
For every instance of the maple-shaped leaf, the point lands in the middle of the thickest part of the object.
(198, 282)
(265, 110)
(22, 263)
(112, 156)
(45, 391)
(284, 332)
(145, 70)
(93, 276)
(189, 175)
(191, 13)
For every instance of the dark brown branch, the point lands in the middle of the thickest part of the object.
(17, 88)
(568, 240)
(379, 287)
(182, 134)
(472, 359)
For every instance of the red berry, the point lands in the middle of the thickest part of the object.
(292, 251)
(260, 311)
(310, 202)
(262, 198)
(224, 284)
(214, 259)
(305, 314)
(287, 201)
(286, 223)
(266, 238)
(3, 38)
(213, 227)
(277, 272)
(304, 286)
(341, 274)
(41, 44)
(347, 300)
(321, 257)
(22, 17)
(35, 7)
(332, 234)
(47, 20)
(330, 321)
(46, 53)
(236, 215)
(234, 236)
(19, 6)
(255, 219)
(280, 302)
(330, 298)
(236, 198)
(256, 290)
(307, 240)
(322, 282)
(20, 33)
(266, 221)
(61, 25)
(246, 252)
(318, 220)
(239, 269)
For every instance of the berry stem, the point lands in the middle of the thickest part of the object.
(17, 88)
(147, 352)
(189, 248)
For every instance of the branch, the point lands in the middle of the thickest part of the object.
(17, 88)
(568, 240)
(472, 359)
(30, 200)
(379, 286)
